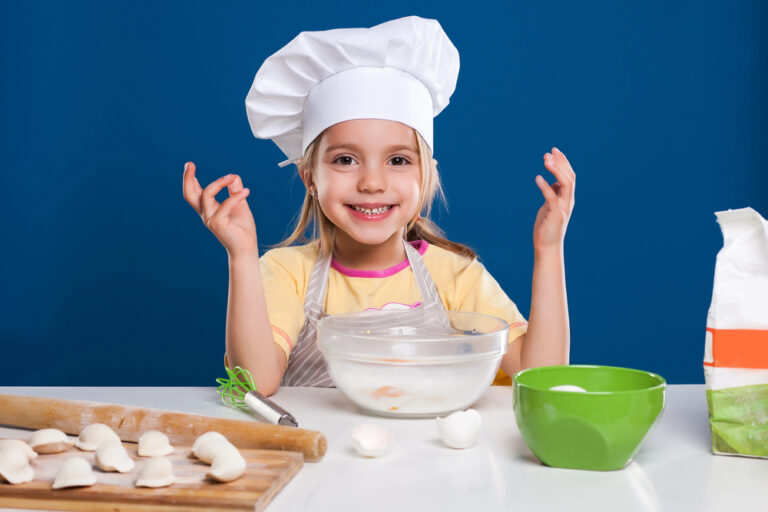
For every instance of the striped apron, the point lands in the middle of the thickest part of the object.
(306, 366)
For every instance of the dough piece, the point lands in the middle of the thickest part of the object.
(460, 429)
(154, 443)
(14, 466)
(94, 435)
(113, 457)
(50, 440)
(156, 472)
(74, 472)
(227, 465)
(208, 445)
(18, 444)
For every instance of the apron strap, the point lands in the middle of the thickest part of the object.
(306, 366)
(429, 296)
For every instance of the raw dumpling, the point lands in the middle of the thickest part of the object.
(50, 440)
(208, 445)
(74, 472)
(113, 457)
(95, 435)
(18, 444)
(460, 429)
(14, 466)
(155, 472)
(154, 444)
(227, 464)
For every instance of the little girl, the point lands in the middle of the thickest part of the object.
(353, 108)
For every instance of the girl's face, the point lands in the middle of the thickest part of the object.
(367, 178)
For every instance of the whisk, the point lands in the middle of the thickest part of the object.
(238, 390)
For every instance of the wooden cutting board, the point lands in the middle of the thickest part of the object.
(266, 474)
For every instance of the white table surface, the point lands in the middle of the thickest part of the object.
(675, 470)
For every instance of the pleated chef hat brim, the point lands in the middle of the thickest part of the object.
(403, 70)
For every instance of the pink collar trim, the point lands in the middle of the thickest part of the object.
(419, 245)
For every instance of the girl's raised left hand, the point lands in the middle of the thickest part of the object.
(552, 219)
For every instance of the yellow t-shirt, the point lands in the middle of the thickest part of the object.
(463, 284)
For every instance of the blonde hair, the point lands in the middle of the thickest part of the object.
(420, 228)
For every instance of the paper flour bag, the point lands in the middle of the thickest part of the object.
(736, 349)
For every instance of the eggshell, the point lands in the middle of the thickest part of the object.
(460, 429)
(371, 440)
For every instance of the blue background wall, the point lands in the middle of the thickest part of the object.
(108, 277)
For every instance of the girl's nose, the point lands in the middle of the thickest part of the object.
(371, 179)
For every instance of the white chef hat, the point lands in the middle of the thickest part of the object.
(403, 70)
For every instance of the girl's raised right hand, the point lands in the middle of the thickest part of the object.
(230, 221)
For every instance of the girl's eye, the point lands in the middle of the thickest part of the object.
(344, 160)
(399, 160)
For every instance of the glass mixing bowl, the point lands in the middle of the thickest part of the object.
(412, 363)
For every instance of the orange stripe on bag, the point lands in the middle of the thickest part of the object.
(739, 348)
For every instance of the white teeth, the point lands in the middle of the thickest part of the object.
(374, 211)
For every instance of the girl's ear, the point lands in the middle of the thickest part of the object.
(306, 177)
(303, 172)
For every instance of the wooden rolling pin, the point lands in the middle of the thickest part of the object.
(71, 416)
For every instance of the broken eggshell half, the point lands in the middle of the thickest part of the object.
(460, 429)
(371, 440)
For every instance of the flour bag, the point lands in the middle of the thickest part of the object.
(736, 348)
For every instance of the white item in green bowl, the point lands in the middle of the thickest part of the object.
(568, 387)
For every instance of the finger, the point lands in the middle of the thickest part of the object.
(228, 204)
(549, 195)
(210, 205)
(565, 193)
(557, 169)
(559, 173)
(567, 165)
(191, 187)
(236, 185)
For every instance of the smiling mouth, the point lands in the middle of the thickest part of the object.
(371, 211)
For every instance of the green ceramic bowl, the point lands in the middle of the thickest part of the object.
(599, 429)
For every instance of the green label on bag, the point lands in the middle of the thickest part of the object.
(738, 418)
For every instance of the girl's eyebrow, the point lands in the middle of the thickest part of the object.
(354, 147)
